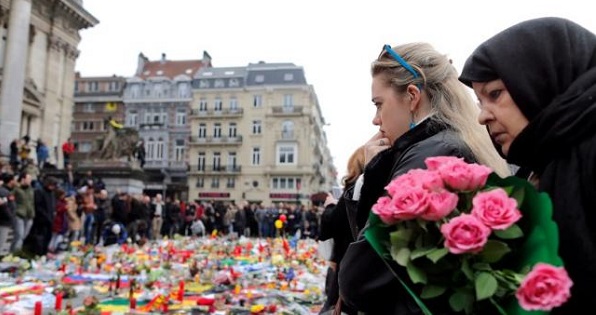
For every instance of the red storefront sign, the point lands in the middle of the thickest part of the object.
(283, 196)
(214, 195)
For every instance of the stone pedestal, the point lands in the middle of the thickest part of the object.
(117, 175)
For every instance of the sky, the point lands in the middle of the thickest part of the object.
(334, 41)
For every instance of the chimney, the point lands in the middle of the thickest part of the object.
(141, 60)
(206, 62)
(163, 58)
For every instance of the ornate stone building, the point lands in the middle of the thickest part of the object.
(257, 135)
(157, 102)
(38, 51)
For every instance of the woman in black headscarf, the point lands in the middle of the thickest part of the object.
(536, 82)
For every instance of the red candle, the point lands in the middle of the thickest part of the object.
(181, 290)
(58, 306)
(133, 303)
(38, 308)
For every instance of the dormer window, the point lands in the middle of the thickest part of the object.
(259, 78)
(219, 83)
(288, 77)
(203, 84)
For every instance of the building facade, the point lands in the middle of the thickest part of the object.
(96, 101)
(38, 51)
(157, 102)
(257, 135)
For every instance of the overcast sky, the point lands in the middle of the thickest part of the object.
(334, 41)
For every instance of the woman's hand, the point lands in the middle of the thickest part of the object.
(330, 200)
(375, 145)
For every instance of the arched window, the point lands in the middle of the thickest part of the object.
(287, 129)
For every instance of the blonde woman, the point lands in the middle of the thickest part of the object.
(422, 110)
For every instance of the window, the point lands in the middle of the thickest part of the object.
(231, 161)
(132, 118)
(92, 86)
(256, 156)
(150, 149)
(164, 116)
(215, 182)
(288, 100)
(232, 130)
(231, 182)
(203, 105)
(219, 83)
(285, 183)
(135, 91)
(203, 84)
(159, 146)
(181, 117)
(257, 100)
(202, 130)
(114, 86)
(288, 77)
(260, 78)
(183, 90)
(287, 129)
(216, 161)
(217, 105)
(286, 154)
(256, 127)
(200, 182)
(179, 150)
(217, 130)
(201, 161)
(76, 87)
(233, 104)
(157, 89)
(88, 108)
(87, 126)
(234, 83)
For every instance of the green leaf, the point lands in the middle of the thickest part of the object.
(512, 232)
(401, 236)
(465, 268)
(485, 285)
(431, 291)
(508, 189)
(401, 255)
(494, 251)
(437, 253)
(518, 194)
(461, 300)
(421, 252)
(416, 274)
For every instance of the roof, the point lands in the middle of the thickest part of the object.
(170, 68)
(221, 72)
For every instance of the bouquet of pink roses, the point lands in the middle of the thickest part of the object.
(462, 231)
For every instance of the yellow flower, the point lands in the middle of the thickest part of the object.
(257, 308)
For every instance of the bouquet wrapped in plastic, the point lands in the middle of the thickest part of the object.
(467, 235)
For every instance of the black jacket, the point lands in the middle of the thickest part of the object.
(366, 283)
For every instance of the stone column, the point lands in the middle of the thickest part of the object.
(13, 78)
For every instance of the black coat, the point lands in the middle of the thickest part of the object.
(366, 283)
(550, 72)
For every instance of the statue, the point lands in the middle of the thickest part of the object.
(118, 142)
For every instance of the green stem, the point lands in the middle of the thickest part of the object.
(498, 307)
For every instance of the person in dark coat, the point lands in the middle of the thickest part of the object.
(339, 227)
(8, 206)
(45, 207)
(538, 102)
(422, 111)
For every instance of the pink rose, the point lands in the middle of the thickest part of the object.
(406, 181)
(495, 209)
(430, 180)
(544, 288)
(458, 174)
(465, 234)
(440, 204)
(409, 203)
(384, 209)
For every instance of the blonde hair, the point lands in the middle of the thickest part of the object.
(355, 166)
(451, 104)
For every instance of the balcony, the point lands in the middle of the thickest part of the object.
(151, 126)
(216, 141)
(286, 111)
(221, 169)
(177, 165)
(212, 113)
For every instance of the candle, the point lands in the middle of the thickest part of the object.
(58, 306)
(181, 290)
(38, 308)
(133, 303)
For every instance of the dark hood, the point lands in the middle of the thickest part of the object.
(548, 66)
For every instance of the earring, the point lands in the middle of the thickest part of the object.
(412, 123)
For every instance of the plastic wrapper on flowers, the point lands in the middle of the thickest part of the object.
(484, 244)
